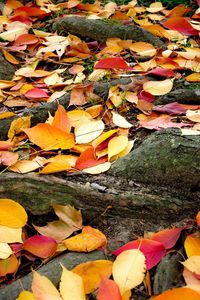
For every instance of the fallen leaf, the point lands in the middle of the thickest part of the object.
(89, 130)
(48, 137)
(36, 93)
(18, 125)
(88, 159)
(25, 166)
(41, 246)
(158, 88)
(194, 77)
(9, 265)
(92, 272)
(5, 250)
(10, 235)
(173, 108)
(193, 264)
(108, 290)
(167, 237)
(120, 121)
(71, 286)
(190, 278)
(180, 24)
(193, 115)
(7, 218)
(198, 218)
(6, 145)
(153, 250)
(192, 245)
(43, 288)
(129, 269)
(90, 239)
(155, 7)
(112, 63)
(9, 57)
(101, 168)
(8, 158)
(26, 295)
(116, 145)
(182, 293)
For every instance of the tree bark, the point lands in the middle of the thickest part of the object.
(101, 30)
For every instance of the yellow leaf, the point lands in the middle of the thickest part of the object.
(6, 114)
(26, 295)
(5, 250)
(92, 272)
(193, 115)
(89, 130)
(128, 269)
(194, 77)
(89, 240)
(10, 235)
(49, 138)
(158, 88)
(192, 264)
(78, 115)
(120, 121)
(143, 49)
(117, 145)
(155, 7)
(8, 218)
(192, 245)
(43, 288)
(101, 168)
(125, 151)
(56, 166)
(18, 125)
(25, 166)
(4, 84)
(103, 137)
(71, 286)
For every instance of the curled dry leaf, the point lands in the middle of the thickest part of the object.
(129, 269)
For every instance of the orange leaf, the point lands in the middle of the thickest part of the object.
(179, 11)
(108, 290)
(180, 24)
(8, 265)
(197, 217)
(192, 245)
(49, 138)
(88, 159)
(61, 119)
(29, 11)
(90, 239)
(91, 273)
(26, 39)
(9, 57)
(179, 293)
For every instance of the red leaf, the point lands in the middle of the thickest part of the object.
(36, 93)
(26, 39)
(180, 24)
(41, 246)
(22, 19)
(112, 63)
(167, 237)
(162, 72)
(108, 290)
(146, 96)
(152, 250)
(173, 108)
(88, 159)
(29, 11)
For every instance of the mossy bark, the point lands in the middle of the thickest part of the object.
(164, 158)
(100, 30)
(7, 70)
